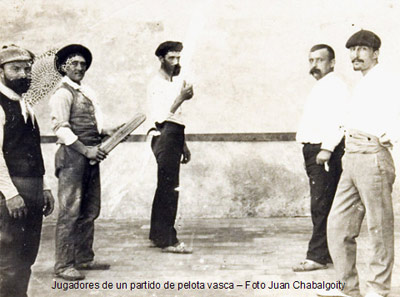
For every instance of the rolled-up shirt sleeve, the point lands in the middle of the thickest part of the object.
(60, 104)
(6, 185)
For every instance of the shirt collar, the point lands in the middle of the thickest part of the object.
(373, 71)
(85, 90)
(9, 93)
(69, 82)
(26, 108)
(163, 75)
(327, 76)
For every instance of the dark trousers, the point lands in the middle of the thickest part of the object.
(167, 149)
(20, 238)
(79, 206)
(323, 186)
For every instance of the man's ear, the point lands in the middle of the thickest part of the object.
(161, 58)
(376, 54)
(63, 67)
(332, 63)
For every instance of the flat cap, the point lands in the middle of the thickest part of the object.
(168, 46)
(62, 55)
(13, 53)
(364, 37)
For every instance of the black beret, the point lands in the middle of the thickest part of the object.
(168, 46)
(65, 52)
(366, 38)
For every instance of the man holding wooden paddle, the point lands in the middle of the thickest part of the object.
(77, 122)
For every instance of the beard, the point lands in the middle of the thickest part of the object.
(176, 70)
(19, 86)
(173, 70)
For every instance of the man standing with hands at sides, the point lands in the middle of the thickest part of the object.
(365, 188)
(323, 148)
(166, 94)
(77, 122)
(23, 197)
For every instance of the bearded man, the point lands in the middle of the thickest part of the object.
(166, 94)
(23, 198)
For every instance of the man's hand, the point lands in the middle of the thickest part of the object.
(186, 156)
(185, 94)
(16, 207)
(186, 91)
(95, 153)
(48, 206)
(323, 156)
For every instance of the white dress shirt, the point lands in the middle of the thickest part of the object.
(161, 94)
(60, 103)
(323, 113)
(374, 107)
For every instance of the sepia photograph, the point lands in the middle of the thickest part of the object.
(199, 148)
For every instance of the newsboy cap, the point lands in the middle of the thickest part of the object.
(366, 38)
(168, 46)
(66, 51)
(13, 53)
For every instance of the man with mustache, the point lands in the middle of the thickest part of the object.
(323, 148)
(365, 188)
(77, 122)
(166, 94)
(23, 197)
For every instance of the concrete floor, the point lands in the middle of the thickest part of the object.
(227, 251)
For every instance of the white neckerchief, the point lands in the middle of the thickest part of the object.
(26, 108)
(91, 95)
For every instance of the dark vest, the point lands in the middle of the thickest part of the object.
(21, 143)
(82, 118)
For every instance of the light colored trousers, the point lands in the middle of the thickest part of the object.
(365, 189)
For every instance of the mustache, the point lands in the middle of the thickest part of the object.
(315, 70)
(357, 60)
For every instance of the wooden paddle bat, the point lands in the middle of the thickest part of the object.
(115, 139)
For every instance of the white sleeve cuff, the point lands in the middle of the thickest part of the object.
(10, 193)
(330, 143)
(46, 185)
(66, 136)
(328, 147)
